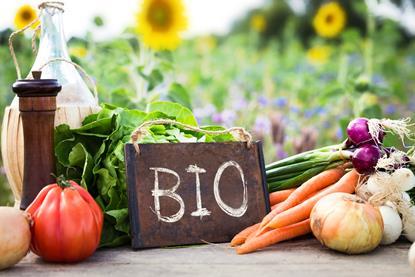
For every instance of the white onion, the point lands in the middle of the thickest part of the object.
(409, 224)
(403, 178)
(411, 256)
(406, 197)
(379, 182)
(14, 236)
(345, 223)
(392, 225)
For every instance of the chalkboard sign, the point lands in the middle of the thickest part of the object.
(190, 193)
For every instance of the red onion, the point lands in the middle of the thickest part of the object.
(358, 132)
(365, 158)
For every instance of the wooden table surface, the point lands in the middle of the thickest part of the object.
(303, 257)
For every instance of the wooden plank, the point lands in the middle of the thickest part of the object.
(302, 257)
(188, 193)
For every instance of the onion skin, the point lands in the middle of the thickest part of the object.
(343, 222)
(411, 256)
(358, 131)
(14, 236)
(365, 158)
(392, 225)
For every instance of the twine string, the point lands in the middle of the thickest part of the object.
(34, 46)
(238, 133)
(79, 68)
(11, 47)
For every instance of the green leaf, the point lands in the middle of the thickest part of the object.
(123, 98)
(131, 118)
(177, 93)
(154, 78)
(219, 138)
(81, 158)
(121, 218)
(111, 237)
(174, 110)
(99, 128)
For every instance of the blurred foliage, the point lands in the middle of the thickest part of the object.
(268, 81)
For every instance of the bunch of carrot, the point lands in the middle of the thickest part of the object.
(291, 208)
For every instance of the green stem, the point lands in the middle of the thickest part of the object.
(370, 25)
(301, 178)
(305, 156)
(295, 181)
(62, 182)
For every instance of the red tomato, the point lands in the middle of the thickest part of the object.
(67, 223)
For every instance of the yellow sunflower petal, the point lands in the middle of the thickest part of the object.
(160, 23)
(330, 20)
(258, 23)
(78, 51)
(318, 54)
(24, 16)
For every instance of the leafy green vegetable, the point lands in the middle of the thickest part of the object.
(180, 113)
(93, 155)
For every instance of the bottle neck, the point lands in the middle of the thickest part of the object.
(52, 39)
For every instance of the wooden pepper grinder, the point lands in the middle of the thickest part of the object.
(37, 106)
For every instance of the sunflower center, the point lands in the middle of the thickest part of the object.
(26, 15)
(160, 15)
(329, 19)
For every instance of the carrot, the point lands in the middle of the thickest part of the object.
(240, 238)
(266, 229)
(275, 236)
(279, 196)
(314, 184)
(275, 206)
(302, 211)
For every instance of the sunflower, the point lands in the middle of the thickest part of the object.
(329, 20)
(160, 23)
(78, 51)
(24, 16)
(258, 23)
(318, 54)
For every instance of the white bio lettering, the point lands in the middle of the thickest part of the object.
(157, 193)
(200, 211)
(227, 209)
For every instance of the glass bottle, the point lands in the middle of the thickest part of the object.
(53, 45)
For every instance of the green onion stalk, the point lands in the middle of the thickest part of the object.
(295, 170)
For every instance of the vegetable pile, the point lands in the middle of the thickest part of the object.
(363, 148)
(313, 192)
(93, 155)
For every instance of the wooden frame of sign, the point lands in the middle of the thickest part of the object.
(191, 193)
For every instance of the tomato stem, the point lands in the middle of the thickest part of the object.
(62, 182)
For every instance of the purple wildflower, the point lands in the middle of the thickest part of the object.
(280, 102)
(262, 125)
(339, 133)
(228, 117)
(280, 152)
(217, 118)
(262, 101)
(390, 109)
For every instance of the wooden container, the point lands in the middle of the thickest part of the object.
(37, 106)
